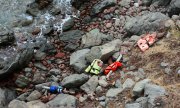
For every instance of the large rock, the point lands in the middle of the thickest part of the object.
(36, 104)
(99, 7)
(139, 87)
(161, 2)
(6, 36)
(105, 51)
(68, 24)
(22, 81)
(128, 84)
(6, 96)
(143, 101)
(146, 23)
(74, 80)
(17, 63)
(93, 38)
(90, 86)
(125, 3)
(152, 92)
(77, 60)
(174, 8)
(113, 92)
(71, 37)
(35, 95)
(63, 101)
(17, 104)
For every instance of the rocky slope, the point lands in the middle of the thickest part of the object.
(52, 46)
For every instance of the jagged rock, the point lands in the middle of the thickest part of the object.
(90, 86)
(93, 38)
(143, 101)
(113, 92)
(17, 104)
(74, 80)
(68, 24)
(146, 23)
(128, 83)
(139, 87)
(77, 60)
(39, 55)
(71, 37)
(35, 95)
(99, 7)
(22, 81)
(17, 63)
(63, 101)
(133, 105)
(6, 36)
(125, 3)
(36, 104)
(105, 51)
(6, 95)
(152, 92)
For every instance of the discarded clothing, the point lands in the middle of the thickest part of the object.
(95, 67)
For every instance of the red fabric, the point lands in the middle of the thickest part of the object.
(112, 67)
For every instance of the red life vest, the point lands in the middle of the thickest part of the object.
(112, 67)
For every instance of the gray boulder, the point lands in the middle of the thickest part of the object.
(146, 2)
(17, 104)
(40, 66)
(36, 104)
(6, 95)
(93, 38)
(174, 8)
(77, 60)
(74, 80)
(152, 92)
(125, 3)
(148, 22)
(113, 92)
(90, 86)
(128, 84)
(99, 7)
(139, 87)
(161, 2)
(39, 55)
(68, 24)
(23, 20)
(143, 101)
(16, 63)
(133, 105)
(63, 101)
(35, 95)
(105, 51)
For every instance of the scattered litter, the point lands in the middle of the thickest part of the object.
(113, 67)
(54, 89)
(146, 41)
(95, 67)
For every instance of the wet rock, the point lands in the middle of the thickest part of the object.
(125, 3)
(6, 95)
(128, 83)
(152, 92)
(22, 81)
(143, 101)
(17, 104)
(93, 38)
(35, 95)
(40, 66)
(6, 36)
(68, 24)
(118, 84)
(74, 80)
(90, 86)
(20, 61)
(113, 92)
(99, 7)
(64, 101)
(104, 52)
(146, 23)
(39, 55)
(133, 105)
(38, 78)
(77, 60)
(139, 87)
(174, 8)
(36, 104)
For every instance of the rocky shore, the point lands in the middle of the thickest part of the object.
(54, 41)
